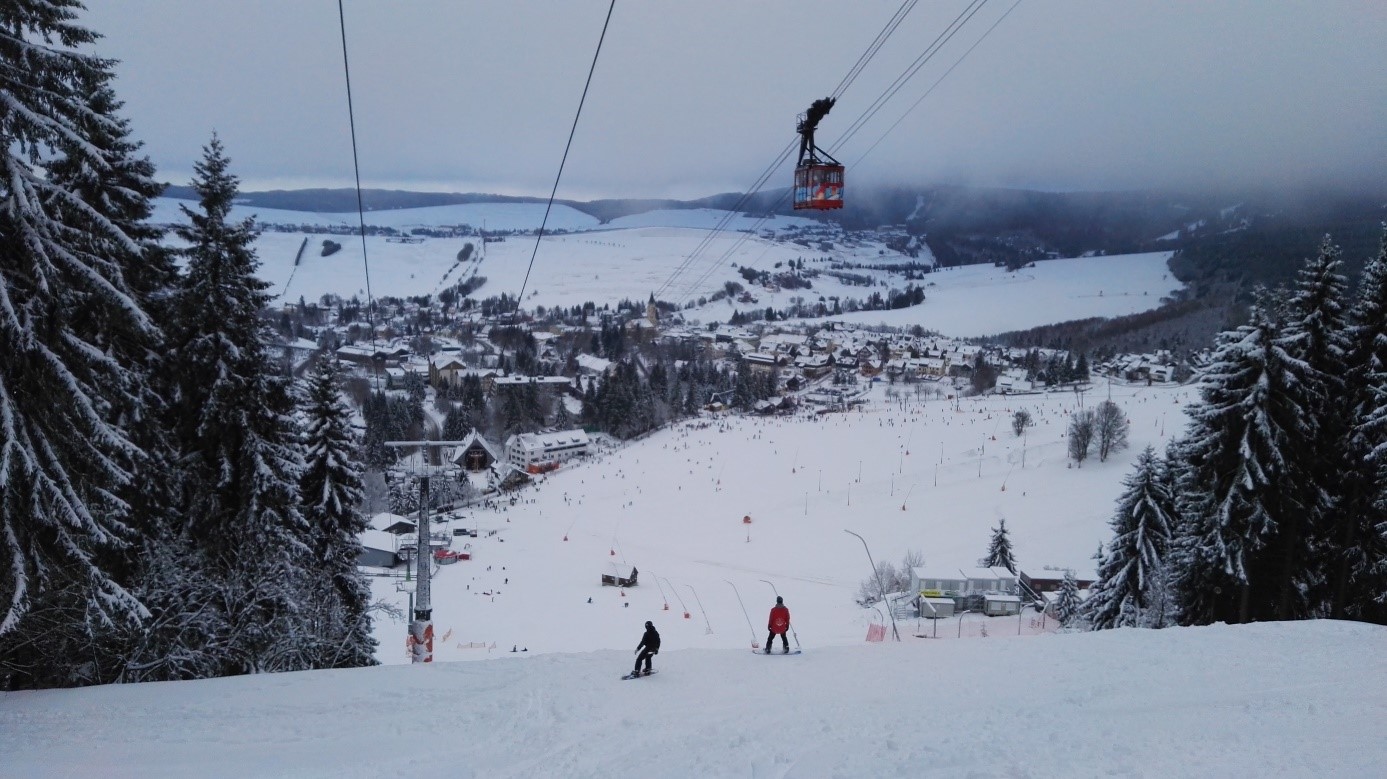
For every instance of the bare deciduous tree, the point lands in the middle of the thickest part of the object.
(1081, 429)
(1111, 429)
(1020, 421)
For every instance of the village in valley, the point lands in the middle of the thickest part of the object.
(515, 408)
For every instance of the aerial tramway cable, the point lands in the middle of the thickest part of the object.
(867, 55)
(539, 235)
(875, 46)
(936, 83)
(356, 168)
(930, 52)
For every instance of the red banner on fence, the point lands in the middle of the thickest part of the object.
(876, 633)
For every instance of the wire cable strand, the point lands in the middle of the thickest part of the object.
(928, 54)
(930, 51)
(692, 289)
(875, 46)
(539, 235)
(356, 168)
(936, 83)
(866, 57)
(966, 15)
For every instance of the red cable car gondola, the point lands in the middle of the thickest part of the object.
(818, 177)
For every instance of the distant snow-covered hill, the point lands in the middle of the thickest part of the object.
(635, 256)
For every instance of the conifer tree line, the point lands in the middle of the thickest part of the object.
(171, 505)
(1273, 504)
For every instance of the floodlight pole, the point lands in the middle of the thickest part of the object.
(421, 629)
(880, 587)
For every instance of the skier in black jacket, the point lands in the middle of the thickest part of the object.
(647, 648)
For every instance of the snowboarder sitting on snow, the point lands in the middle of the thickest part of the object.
(779, 624)
(647, 648)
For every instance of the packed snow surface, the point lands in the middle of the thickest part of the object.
(1276, 699)
(909, 470)
(968, 696)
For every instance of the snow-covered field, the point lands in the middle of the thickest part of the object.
(672, 505)
(634, 256)
(976, 300)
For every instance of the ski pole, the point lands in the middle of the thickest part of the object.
(754, 643)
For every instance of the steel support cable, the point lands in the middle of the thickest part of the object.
(938, 43)
(356, 168)
(539, 235)
(930, 52)
(692, 289)
(723, 221)
(866, 57)
(726, 219)
(932, 87)
(875, 46)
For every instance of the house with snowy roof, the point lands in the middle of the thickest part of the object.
(537, 452)
(814, 365)
(763, 361)
(993, 591)
(476, 453)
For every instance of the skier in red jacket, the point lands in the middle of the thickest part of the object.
(779, 624)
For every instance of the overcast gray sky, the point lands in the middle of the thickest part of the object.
(693, 97)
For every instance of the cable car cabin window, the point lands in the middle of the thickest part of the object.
(819, 187)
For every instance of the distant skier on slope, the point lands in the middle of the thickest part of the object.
(647, 648)
(779, 625)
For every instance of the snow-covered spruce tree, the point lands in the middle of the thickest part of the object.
(999, 551)
(1129, 582)
(1316, 335)
(457, 423)
(237, 434)
(1068, 604)
(1246, 493)
(121, 191)
(1358, 574)
(68, 313)
(332, 491)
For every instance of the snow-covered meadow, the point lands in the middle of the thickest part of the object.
(637, 255)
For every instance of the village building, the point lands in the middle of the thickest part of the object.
(476, 454)
(365, 354)
(1051, 579)
(815, 365)
(762, 361)
(538, 452)
(970, 589)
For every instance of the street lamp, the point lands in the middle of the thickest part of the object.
(880, 587)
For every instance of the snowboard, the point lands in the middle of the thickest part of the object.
(637, 676)
(776, 652)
